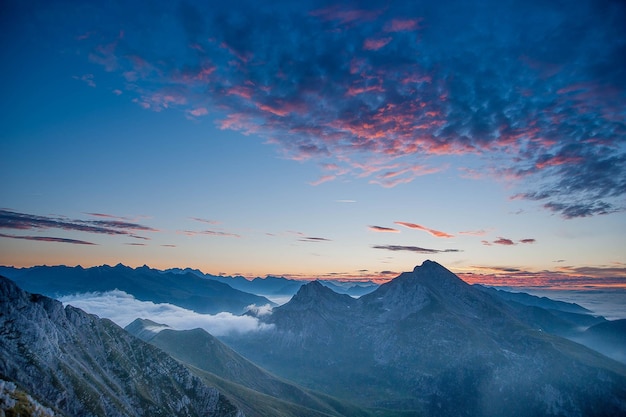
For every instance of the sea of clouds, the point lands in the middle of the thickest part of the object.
(122, 308)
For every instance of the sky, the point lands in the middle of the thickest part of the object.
(310, 139)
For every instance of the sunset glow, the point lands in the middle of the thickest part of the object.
(306, 139)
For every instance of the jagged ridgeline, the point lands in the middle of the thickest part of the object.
(429, 343)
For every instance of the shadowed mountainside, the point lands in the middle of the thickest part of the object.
(429, 342)
(253, 389)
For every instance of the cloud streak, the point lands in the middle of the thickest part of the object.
(47, 239)
(436, 233)
(314, 239)
(22, 221)
(416, 249)
(508, 242)
(382, 229)
(210, 233)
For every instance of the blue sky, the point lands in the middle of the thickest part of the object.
(334, 139)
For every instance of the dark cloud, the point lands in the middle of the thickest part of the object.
(497, 268)
(415, 249)
(314, 239)
(116, 224)
(22, 221)
(381, 92)
(383, 229)
(504, 241)
(597, 271)
(48, 239)
(210, 233)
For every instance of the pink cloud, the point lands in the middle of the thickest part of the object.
(474, 232)
(323, 179)
(403, 25)
(241, 91)
(374, 44)
(433, 232)
(343, 15)
(200, 111)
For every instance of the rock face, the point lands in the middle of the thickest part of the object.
(77, 364)
(430, 343)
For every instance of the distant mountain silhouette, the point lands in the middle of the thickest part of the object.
(79, 365)
(429, 343)
(186, 290)
(279, 286)
(608, 338)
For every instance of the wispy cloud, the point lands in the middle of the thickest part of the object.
(323, 179)
(210, 233)
(410, 89)
(314, 239)
(207, 221)
(507, 242)
(47, 239)
(416, 249)
(436, 233)
(474, 232)
(22, 221)
(383, 229)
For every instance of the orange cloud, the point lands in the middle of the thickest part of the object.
(436, 233)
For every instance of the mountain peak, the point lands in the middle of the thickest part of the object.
(430, 272)
(313, 289)
(428, 264)
(315, 294)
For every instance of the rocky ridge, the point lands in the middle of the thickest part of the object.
(77, 364)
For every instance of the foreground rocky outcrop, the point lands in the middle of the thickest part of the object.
(77, 364)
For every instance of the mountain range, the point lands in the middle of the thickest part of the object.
(429, 343)
(185, 290)
(279, 286)
(425, 343)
